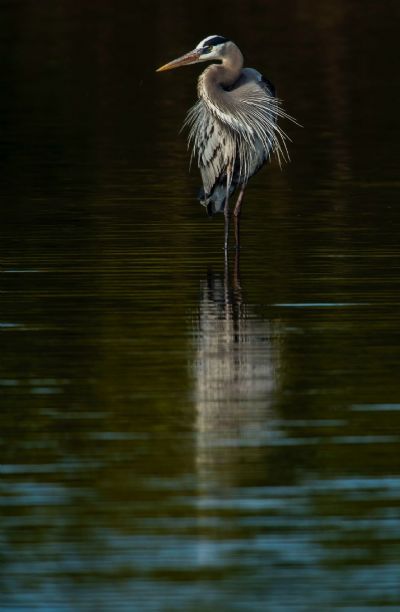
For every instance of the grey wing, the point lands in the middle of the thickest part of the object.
(251, 76)
(257, 96)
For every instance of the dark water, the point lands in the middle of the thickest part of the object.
(179, 434)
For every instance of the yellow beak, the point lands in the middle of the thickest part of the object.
(188, 58)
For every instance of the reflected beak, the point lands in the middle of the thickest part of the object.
(188, 58)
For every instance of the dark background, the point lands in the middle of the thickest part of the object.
(178, 433)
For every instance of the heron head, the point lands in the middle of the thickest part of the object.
(211, 48)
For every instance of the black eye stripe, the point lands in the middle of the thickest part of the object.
(216, 40)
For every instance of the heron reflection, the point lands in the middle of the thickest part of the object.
(235, 371)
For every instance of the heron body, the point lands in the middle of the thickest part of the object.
(233, 126)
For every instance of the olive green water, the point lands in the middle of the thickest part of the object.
(177, 433)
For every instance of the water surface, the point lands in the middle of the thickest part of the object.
(180, 432)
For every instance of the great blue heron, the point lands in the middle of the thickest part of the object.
(233, 126)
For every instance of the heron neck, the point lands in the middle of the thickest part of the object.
(219, 76)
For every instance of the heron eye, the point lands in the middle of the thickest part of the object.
(207, 49)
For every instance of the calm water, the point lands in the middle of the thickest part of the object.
(178, 433)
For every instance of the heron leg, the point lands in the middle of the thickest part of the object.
(226, 208)
(236, 217)
(226, 232)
